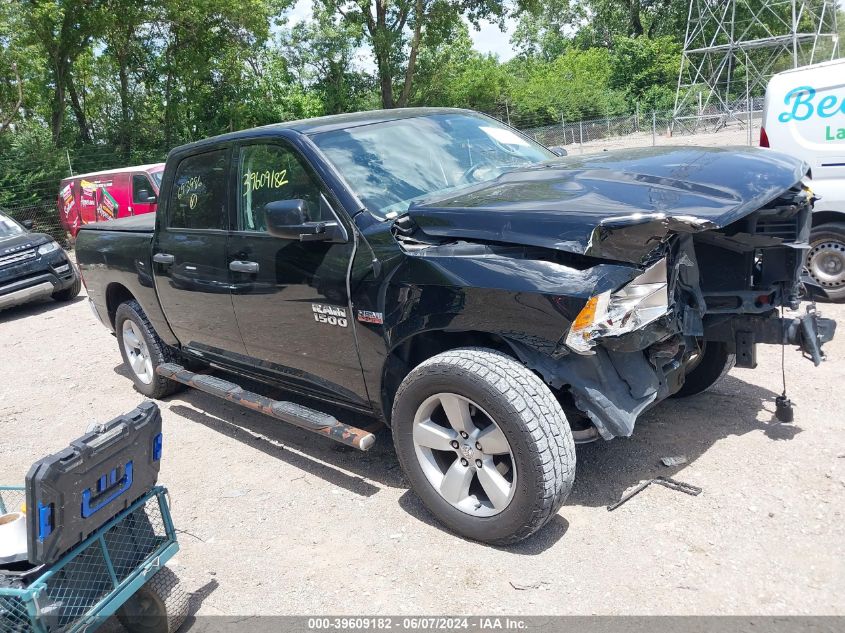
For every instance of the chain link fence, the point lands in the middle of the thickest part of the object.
(44, 217)
(590, 136)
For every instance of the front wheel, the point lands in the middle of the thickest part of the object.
(484, 443)
(71, 291)
(826, 259)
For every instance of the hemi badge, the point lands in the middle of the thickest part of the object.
(365, 316)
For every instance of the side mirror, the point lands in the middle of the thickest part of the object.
(557, 150)
(145, 196)
(285, 218)
(27, 224)
(288, 220)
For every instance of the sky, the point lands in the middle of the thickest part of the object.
(487, 40)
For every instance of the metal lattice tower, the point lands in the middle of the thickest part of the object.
(733, 47)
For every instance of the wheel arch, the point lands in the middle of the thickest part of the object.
(116, 293)
(825, 217)
(420, 346)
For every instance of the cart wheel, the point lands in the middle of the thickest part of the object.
(160, 606)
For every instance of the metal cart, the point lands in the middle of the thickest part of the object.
(119, 569)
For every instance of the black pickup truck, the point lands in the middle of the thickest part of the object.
(490, 301)
(33, 266)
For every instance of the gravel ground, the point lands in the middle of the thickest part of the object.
(274, 520)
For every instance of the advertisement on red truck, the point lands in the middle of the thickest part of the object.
(106, 195)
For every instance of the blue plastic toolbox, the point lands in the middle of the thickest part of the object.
(71, 493)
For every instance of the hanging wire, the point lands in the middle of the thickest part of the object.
(782, 346)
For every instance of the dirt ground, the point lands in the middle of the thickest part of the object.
(274, 520)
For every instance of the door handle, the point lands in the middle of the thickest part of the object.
(163, 258)
(239, 266)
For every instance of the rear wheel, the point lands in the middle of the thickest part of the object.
(143, 351)
(485, 444)
(826, 259)
(709, 366)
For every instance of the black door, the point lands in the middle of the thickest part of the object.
(190, 257)
(290, 296)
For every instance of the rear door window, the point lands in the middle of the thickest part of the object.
(199, 196)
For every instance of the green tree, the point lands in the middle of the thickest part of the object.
(645, 70)
(547, 33)
(575, 85)
(607, 19)
(451, 73)
(397, 29)
(321, 56)
(64, 30)
(31, 169)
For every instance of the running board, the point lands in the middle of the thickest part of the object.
(289, 412)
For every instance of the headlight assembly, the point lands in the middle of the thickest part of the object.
(47, 248)
(638, 303)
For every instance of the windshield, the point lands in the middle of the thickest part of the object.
(9, 227)
(392, 164)
(156, 176)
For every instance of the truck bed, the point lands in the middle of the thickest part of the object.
(144, 223)
(116, 258)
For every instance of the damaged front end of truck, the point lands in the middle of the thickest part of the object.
(678, 251)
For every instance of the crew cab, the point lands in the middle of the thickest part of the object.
(33, 266)
(488, 300)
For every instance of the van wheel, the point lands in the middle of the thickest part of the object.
(143, 351)
(826, 259)
(484, 443)
(712, 363)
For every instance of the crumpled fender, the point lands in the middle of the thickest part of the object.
(612, 388)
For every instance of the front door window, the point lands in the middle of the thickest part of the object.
(268, 173)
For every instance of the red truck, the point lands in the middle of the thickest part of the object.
(106, 195)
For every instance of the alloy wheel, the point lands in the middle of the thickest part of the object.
(464, 454)
(137, 352)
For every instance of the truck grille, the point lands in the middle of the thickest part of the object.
(8, 260)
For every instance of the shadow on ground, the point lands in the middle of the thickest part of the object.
(683, 426)
(688, 427)
(195, 600)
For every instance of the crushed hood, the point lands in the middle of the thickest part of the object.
(618, 205)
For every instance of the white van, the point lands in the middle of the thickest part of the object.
(804, 116)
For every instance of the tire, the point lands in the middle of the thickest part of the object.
(71, 291)
(151, 347)
(713, 364)
(160, 606)
(826, 259)
(504, 400)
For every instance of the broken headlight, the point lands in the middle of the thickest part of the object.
(638, 303)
